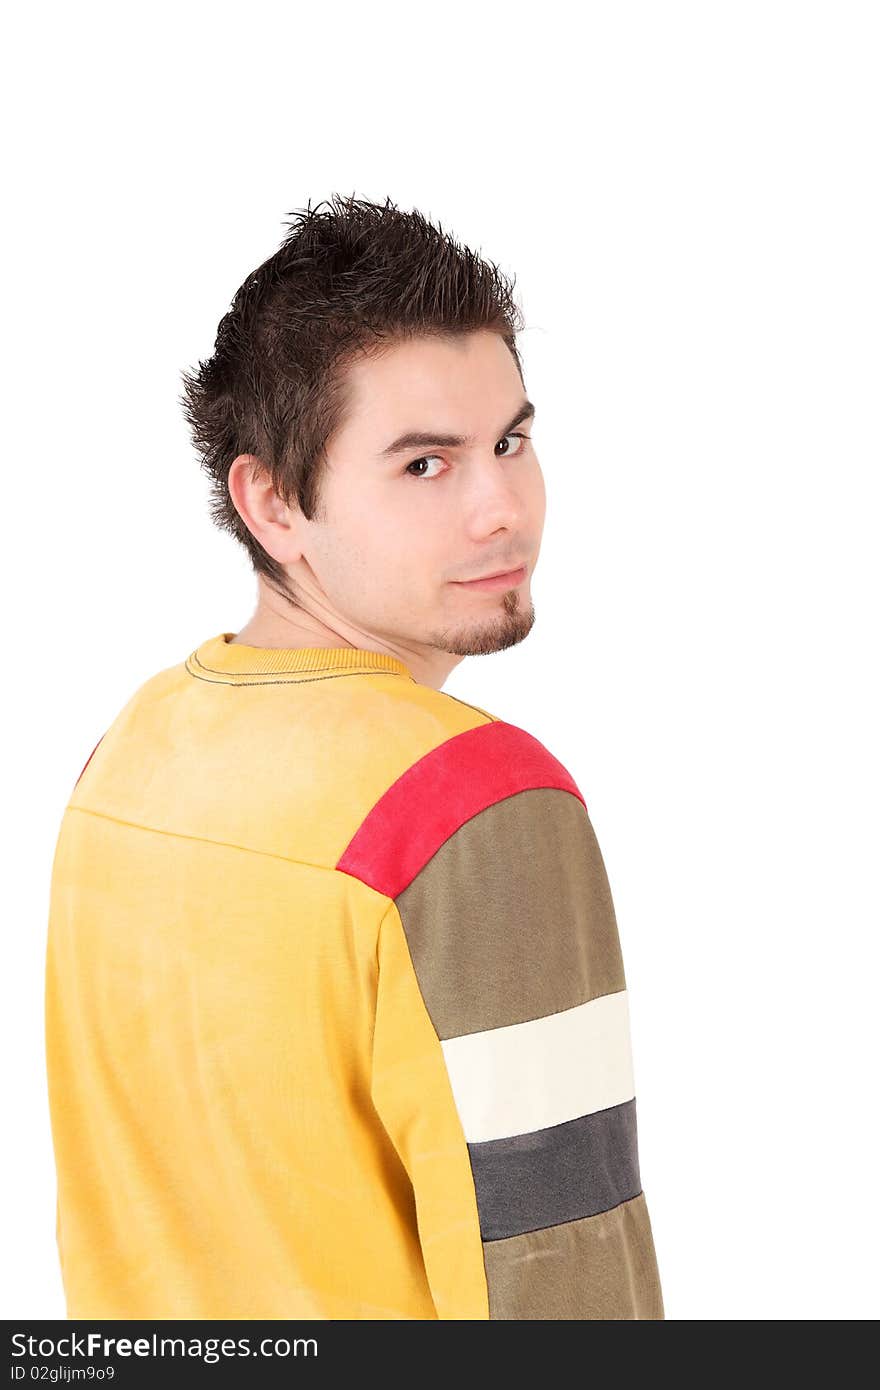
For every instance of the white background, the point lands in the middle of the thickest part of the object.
(687, 194)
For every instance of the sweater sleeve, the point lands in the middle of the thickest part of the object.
(503, 1071)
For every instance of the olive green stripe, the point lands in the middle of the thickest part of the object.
(601, 1267)
(512, 918)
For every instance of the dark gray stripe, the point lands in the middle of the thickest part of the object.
(562, 1173)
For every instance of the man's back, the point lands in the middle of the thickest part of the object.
(336, 1012)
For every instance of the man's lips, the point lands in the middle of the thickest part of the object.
(507, 579)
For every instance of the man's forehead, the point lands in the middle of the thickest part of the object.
(429, 369)
(413, 395)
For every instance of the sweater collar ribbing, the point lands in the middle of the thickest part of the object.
(220, 659)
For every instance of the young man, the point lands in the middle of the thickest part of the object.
(336, 1011)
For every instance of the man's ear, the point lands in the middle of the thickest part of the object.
(276, 524)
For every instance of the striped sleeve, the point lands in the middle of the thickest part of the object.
(502, 1064)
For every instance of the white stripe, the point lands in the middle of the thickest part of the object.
(531, 1075)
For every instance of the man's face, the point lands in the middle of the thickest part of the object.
(397, 530)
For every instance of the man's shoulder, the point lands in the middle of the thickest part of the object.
(152, 692)
(452, 782)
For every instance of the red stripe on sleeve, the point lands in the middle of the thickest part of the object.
(442, 790)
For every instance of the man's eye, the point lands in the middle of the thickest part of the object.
(427, 458)
(524, 437)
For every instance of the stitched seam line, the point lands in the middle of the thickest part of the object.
(229, 676)
(495, 719)
(291, 680)
(206, 840)
(572, 1220)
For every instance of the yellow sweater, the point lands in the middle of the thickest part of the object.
(336, 1016)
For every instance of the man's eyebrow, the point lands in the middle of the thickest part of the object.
(421, 439)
